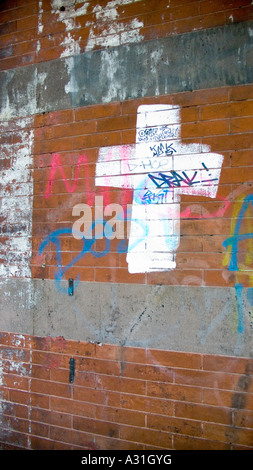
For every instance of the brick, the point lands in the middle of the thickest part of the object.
(15, 438)
(88, 395)
(15, 382)
(228, 434)
(19, 396)
(205, 227)
(73, 407)
(105, 139)
(241, 92)
(243, 418)
(216, 5)
(39, 429)
(232, 175)
(56, 145)
(243, 124)
(174, 359)
(128, 354)
(96, 427)
(204, 379)
(118, 275)
(177, 277)
(224, 364)
(77, 348)
(121, 384)
(15, 424)
(204, 97)
(4, 338)
(200, 129)
(217, 397)
(50, 360)
(28, 22)
(16, 13)
(227, 110)
(152, 373)
(241, 158)
(40, 372)
(175, 391)
(160, 406)
(70, 436)
(239, 14)
(51, 418)
(214, 277)
(103, 442)
(73, 129)
(98, 111)
(15, 354)
(146, 436)
(199, 260)
(117, 123)
(14, 409)
(120, 416)
(175, 425)
(39, 443)
(39, 401)
(191, 443)
(203, 413)
(50, 388)
(54, 118)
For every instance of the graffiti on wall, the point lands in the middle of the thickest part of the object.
(239, 253)
(159, 168)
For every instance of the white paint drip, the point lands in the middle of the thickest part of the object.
(40, 24)
(159, 168)
(16, 192)
(1, 369)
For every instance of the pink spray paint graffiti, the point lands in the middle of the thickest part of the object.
(56, 165)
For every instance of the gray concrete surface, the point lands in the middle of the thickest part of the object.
(201, 59)
(193, 319)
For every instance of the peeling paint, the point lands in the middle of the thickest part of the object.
(1, 370)
(71, 46)
(112, 32)
(16, 192)
(40, 24)
(65, 9)
(67, 14)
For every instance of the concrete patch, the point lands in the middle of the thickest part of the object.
(198, 60)
(150, 316)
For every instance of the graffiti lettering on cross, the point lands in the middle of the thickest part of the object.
(159, 168)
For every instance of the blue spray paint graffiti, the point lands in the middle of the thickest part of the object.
(232, 243)
(87, 247)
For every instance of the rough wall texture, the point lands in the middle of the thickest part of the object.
(126, 173)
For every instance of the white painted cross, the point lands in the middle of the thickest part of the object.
(159, 168)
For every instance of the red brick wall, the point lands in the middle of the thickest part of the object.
(121, 398)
